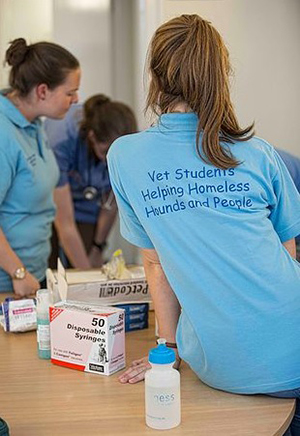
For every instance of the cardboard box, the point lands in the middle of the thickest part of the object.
(91, 286)
(88, 338)
(136, 316)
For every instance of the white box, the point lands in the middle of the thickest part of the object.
(87, 337)
(91, 286)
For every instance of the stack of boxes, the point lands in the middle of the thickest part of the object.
(136, 316)
(88, 326)
(89, 287)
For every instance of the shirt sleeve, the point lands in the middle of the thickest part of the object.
(285, 210)
(130, 226)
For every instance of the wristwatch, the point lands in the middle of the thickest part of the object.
(19, 273)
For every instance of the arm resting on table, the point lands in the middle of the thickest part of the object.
(167, 311)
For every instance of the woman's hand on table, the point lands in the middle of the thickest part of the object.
(26, 287)
(137, 370)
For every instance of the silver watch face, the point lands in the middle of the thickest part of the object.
(20, 273)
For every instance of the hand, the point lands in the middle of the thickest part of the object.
(95, 257)
(137, 370)
(27, 286)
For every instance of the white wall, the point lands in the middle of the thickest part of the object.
(148, 15)
(263, 37)
(83, 27)
(122, 41)
(30, 19)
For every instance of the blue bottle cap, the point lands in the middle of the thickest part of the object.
(162, 354)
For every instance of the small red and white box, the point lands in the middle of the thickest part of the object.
(88, 338)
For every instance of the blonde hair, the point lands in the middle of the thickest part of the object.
(189, 62)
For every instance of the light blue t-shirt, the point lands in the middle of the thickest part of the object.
(28, 175)
(218, 234)
(77, 167)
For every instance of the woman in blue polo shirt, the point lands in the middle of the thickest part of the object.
(215, 212)
(44, 80)
(86, 206)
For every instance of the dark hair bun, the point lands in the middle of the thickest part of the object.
(17, 51)
(92, 102)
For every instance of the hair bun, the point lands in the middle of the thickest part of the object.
(92, 102)
(17, 51)
(100, 99)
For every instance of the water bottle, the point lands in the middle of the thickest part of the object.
(162, 389)
(43, 301)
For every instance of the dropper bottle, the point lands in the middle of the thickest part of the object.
(43, 302)
(162, 389)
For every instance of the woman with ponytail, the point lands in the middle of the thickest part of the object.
(86, 206)
(43, 81)
(215, 213)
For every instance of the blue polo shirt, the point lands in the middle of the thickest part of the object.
(218, 234)
(28, 176)
(77, 166)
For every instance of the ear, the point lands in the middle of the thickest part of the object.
(42, 91)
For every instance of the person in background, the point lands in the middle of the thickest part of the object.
(86, 206)
(44, 79)
(293, 165)
(215, 212)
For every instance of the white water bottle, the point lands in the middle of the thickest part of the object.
(162, 389)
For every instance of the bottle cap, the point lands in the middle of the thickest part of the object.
(162, 354)
(43, 299)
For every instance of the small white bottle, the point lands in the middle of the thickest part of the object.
(43, 301)
(162, 389)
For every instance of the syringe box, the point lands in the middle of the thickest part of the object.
(88, 338)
